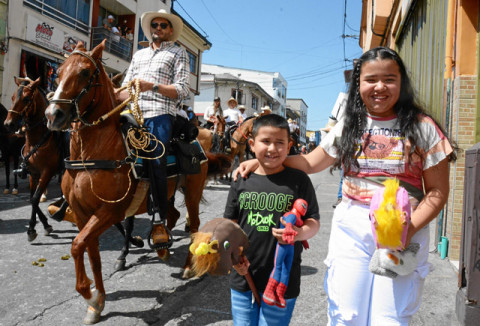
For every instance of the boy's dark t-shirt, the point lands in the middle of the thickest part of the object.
(257, 203)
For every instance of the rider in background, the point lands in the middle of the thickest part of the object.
(212, 112)
(232, 117)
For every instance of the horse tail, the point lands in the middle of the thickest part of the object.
(218, 163)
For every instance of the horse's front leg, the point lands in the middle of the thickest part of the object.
(193, 195)
(127, 233)
(88, 239)
(15, 177)
(31, 233)
(7, 172)
(35, 200)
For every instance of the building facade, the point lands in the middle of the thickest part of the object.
(40, 33)
(251, 82)
(300, 109)
(226, 86)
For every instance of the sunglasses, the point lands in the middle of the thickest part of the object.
(162, 25)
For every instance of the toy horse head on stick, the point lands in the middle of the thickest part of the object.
(217, 247)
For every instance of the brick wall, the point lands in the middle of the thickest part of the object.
(462, 132)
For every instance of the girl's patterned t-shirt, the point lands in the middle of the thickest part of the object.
(383, 156)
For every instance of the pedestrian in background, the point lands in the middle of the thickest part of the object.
(385, 134)
(108, 22)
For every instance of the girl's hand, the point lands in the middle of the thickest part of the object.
(245, 168)
(242, 266)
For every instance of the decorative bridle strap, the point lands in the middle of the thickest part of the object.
(26, 106)
(84, 91)
(97, 164)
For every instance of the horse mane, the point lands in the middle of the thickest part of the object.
(203, 264)
(248, 118)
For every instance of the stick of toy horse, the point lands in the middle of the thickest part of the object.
(218, 246)
(252, 286)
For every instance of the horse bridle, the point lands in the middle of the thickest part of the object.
(244, 136)
(85, 90)
(29, 103)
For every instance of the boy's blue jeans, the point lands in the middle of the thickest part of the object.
(246, 313)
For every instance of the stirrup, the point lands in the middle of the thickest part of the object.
(162, 245)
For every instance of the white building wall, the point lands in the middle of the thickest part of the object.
(263, 79)
(301, 108)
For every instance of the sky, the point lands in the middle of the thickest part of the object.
(300, 39)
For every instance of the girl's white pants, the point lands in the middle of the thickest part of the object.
(355, 295)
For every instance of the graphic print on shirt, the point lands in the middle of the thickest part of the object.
(262, 207)
(382, 151)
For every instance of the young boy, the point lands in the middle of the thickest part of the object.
(257, 204)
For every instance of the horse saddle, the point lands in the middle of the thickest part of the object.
(184, 156)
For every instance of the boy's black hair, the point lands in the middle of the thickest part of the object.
(270, 120)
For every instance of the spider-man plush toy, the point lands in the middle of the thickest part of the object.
(278, 281)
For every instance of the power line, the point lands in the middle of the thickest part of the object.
(193, 20)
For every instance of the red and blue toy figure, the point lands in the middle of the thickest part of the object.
(278, 281)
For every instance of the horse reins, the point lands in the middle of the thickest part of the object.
(244, 136)
(84, 91)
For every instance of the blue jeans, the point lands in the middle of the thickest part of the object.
(161, 127)
(246, 313)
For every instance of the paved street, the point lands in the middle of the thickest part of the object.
(151, 292)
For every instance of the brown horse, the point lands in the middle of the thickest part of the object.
(41, 154)
(239, 139)
(211, 138)
(11, 144)
(101, 196)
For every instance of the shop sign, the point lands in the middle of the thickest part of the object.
(50, 36)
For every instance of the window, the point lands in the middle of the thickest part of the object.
(73, 13)
(254, 102)
(238, 95)
(192, 58)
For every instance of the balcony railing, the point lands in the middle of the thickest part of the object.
(58, 15)
(116, 44)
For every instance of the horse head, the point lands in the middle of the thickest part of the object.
(219, 125)
(77, 93)
(23, 102)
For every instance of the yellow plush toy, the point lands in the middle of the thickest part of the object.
(390, 212)
(390, 220)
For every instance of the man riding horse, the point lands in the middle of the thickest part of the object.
(162, 69)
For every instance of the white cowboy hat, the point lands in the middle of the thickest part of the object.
(242, 107)
(266, 108)
(148, 16)
(289, 120)
(232, 99)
